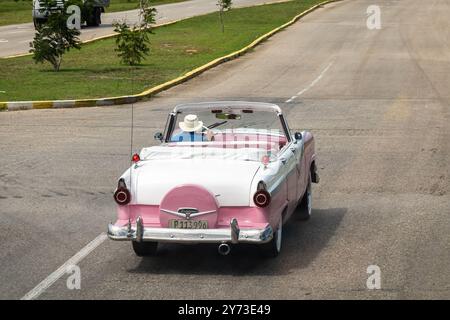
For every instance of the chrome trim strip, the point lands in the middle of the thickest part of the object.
(170, 126)
(275, 187)
(182, 215)
(285, 127)
(227, 105)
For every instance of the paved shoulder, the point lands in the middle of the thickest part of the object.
(15, 39)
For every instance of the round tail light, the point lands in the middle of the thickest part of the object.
(261, 198)
(136, 158)
(122, 196)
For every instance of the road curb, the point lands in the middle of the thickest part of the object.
(56, 104)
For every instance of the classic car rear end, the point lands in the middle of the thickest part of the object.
(237, 181)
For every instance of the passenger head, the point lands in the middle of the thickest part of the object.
(191, 124)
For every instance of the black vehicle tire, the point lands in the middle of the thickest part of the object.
(38, 23)
(273, 248)
(98, 16)
(143, 249)
(94, 19)
(304, 208)
(90, 21)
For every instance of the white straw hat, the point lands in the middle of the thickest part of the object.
(191, 123)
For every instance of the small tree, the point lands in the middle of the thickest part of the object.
(133, 42)
(54, 38)
(224, 5)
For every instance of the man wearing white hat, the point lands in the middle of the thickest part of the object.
(192, 130)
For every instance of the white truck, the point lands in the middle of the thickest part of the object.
(91, 10)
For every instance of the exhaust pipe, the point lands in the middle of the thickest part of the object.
(224, 249)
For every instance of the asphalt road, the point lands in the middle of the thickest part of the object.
(377, 102)
(15, 39)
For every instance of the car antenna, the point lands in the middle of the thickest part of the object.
(131, 145)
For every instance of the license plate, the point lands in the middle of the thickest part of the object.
(188, 224)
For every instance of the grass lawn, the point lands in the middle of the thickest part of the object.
(13, 12)
(95, 70)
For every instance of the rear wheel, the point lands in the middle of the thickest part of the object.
(273, 248)
(98, 16)
(38, 23)
(304, 209)
(143, 249)
(94, 19)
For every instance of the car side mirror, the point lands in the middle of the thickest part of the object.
(298, 136)
(158, 136)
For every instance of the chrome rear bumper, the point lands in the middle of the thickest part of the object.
(234, 234)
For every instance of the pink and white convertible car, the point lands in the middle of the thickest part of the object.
(225, 173)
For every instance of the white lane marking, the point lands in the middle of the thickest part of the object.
(3, 40)
(316, 80)
(51, 279)
(291, 99)
(312, 84)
